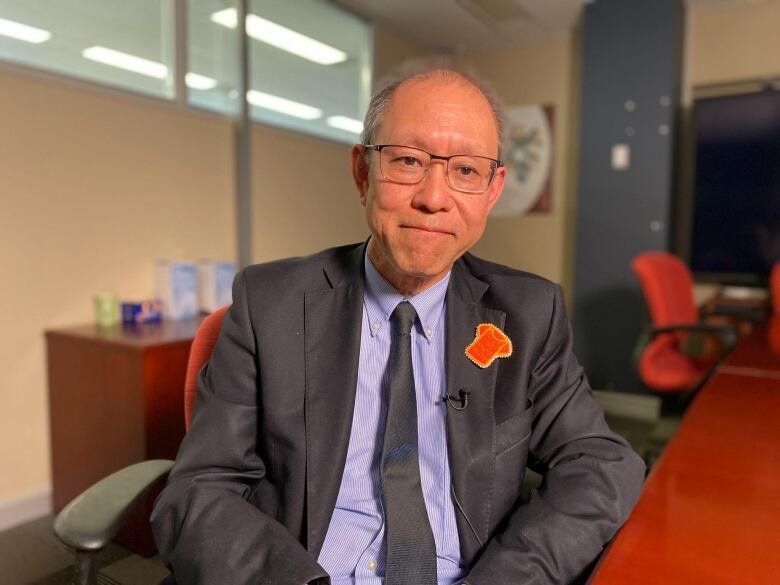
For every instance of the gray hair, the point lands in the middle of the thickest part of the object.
(436, 67)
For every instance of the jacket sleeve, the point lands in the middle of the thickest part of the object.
(206, 530)
(592, 478)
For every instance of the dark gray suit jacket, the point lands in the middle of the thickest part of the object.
(251, 495)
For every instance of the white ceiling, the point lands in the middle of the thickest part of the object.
(468, 25)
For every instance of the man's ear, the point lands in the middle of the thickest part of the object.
(496, 187)
(360, 171)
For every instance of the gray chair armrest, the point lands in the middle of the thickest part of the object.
(92, 520)
(726, 333)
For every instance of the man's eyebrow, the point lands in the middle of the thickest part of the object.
(469, 149)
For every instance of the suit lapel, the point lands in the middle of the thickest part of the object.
(470, 431)
(332, 346)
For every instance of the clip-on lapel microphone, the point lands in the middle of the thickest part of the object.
(459, 402)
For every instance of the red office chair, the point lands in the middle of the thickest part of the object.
(92, 520)
(660, 356)
(200, 352)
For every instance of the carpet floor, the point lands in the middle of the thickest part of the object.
(30, 554)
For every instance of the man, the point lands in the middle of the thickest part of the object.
(368, 413)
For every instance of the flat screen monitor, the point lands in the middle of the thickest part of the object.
(735, 236)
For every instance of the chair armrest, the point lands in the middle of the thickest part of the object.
(726, 333)
(91, 521)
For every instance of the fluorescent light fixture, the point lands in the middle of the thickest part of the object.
(282, 105)
(344, 123)
(126, 61)
(23, 32)
(282, 37)
(196, 81)
(144, 66)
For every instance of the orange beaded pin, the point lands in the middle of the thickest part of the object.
(489, 344)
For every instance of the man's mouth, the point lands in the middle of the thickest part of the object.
(427, 229)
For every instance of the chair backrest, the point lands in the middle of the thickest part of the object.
(202, 346)
(667, 287)
(774, 287)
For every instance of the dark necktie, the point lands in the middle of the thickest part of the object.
(411, 550)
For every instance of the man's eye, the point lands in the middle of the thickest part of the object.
(406, 161)
(465, 171)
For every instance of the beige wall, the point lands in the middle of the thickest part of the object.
(304, 199)
(94, 186)
(734, 43)
(540, 73)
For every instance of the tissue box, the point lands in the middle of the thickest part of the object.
(215, 284)
(177, 288)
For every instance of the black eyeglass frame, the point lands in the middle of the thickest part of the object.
(497, 164)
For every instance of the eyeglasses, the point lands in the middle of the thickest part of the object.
(407, 165)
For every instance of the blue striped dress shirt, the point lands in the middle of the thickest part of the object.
(354, 547)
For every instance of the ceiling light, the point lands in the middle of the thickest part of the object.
(144, 66)
(344, 123)
(282, 37)
(196, 81)
(23, 32)
(126, 61)
(282, 105)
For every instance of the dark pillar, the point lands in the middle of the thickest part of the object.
(631, 79)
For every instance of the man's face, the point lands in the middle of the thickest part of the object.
(418, 231)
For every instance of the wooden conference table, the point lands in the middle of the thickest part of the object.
(710, 510)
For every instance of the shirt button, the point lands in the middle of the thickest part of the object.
(375, 326)
(429, 332)
(371, 565)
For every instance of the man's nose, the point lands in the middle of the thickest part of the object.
(433, 193)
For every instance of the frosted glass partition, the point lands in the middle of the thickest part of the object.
(309, 64)
(115, 42)
(326, 74)
(213, 56)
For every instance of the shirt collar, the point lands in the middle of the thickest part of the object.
(381, 299)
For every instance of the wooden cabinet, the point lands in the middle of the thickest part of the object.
(116, 397)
